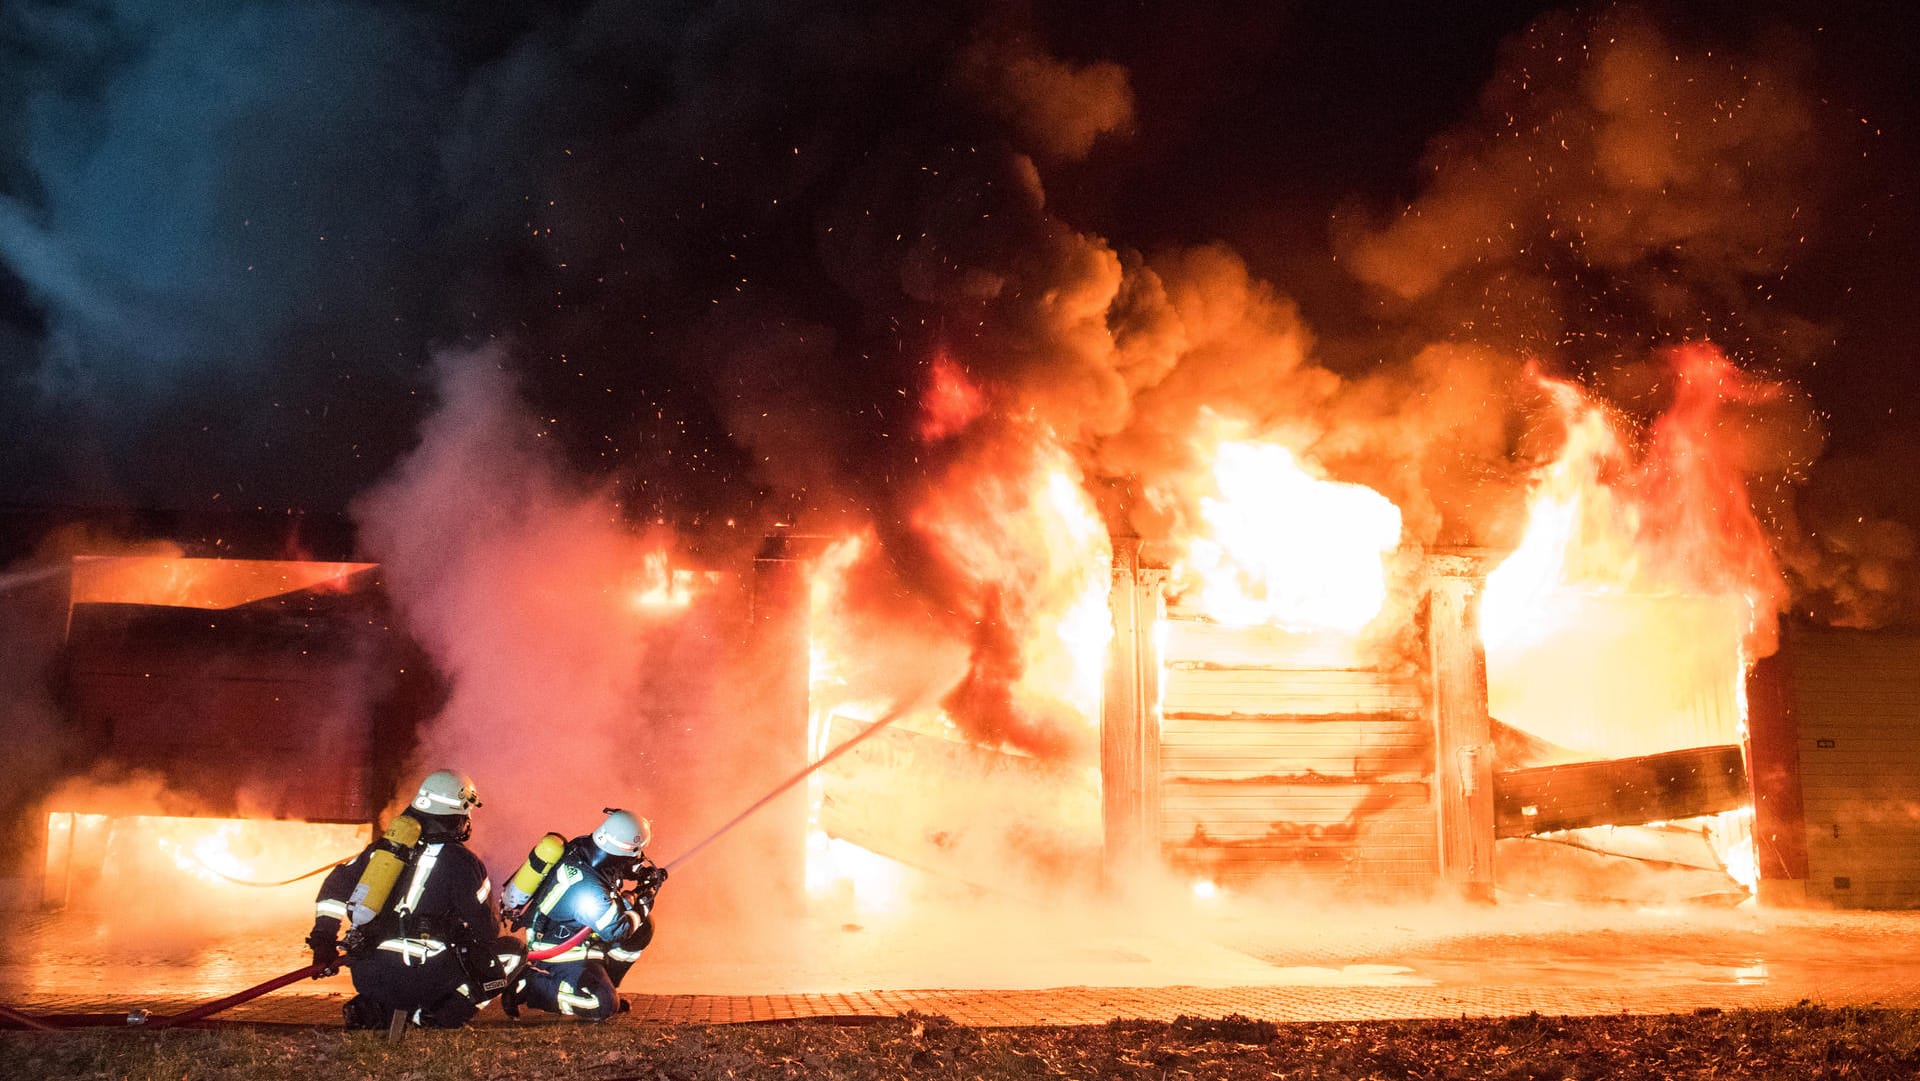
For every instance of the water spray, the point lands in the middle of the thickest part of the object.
(906, 705)
(20, 579)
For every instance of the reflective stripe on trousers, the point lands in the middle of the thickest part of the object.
(414, 951)
(570, 1001)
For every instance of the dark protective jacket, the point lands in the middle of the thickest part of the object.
(442, 898)
(577, 894)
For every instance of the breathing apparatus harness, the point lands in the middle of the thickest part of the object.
(410, 841)
(639, 876)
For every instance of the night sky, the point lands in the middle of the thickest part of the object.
(718, 246)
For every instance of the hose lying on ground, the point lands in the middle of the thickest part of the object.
(17, 1019)
(139, 1019)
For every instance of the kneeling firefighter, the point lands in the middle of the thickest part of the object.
(422, 935)
(598, 889)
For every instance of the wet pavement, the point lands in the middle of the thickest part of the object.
(1271, 964)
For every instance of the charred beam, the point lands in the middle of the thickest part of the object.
(1619, 792)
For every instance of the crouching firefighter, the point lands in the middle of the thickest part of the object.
(421, 934)
(598, 888)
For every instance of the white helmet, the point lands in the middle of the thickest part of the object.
(446, 792)
(623, 833)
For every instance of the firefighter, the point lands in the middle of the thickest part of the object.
(421, 934)
(603, 883)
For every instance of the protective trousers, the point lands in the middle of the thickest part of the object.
(584, 987)
(445, 985)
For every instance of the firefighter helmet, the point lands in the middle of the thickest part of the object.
(446, 792)
(623, 833)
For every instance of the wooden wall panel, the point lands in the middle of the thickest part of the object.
(1313, 776)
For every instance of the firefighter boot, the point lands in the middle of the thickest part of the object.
(510, 996)
(361, 1012)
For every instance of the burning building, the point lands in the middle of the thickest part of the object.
(1281, 692)
(1294, 697)
(1152, 570)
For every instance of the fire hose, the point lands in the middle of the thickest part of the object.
(905, 706)
(301, 877)
(140, 1019)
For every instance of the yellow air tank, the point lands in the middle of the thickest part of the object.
(390, 856)
(527, 879)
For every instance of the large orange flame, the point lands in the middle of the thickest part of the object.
(1036, 554)
(1623, 622)
(1275, 542)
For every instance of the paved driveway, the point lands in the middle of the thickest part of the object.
(1273, 963)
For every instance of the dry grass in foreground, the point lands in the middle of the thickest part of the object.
(1777, 1045)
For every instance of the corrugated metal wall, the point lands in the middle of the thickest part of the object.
(1317, 776)
(1855, 698)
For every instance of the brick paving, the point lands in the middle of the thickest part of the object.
(1611, 966)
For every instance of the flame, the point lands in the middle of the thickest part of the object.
(212, 584)
(1640, 557)
(659, 587)
(951, 402)
(1033, 547)
(225, 862)
(1017, 557)
(1672, 519)
(837, 870)
(1280, 544)
(829, 690)
(1580, 532)
(861, 880)
(1731, 834)
(1074, 655)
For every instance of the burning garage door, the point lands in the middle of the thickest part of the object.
(208, 689)
(1321, 775)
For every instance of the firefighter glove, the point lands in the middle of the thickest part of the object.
(651, 879)
(324, 941)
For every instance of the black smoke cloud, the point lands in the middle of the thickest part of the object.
(721, 243)
(1632, 180)
(205, 205)
(1621, 185)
